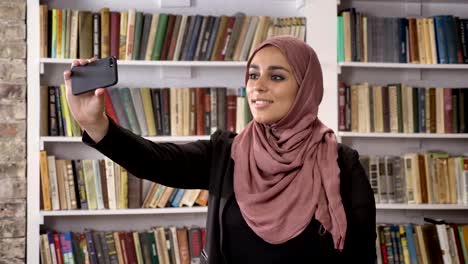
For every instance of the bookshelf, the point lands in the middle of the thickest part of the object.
(412, 66)
(403, 65)
(422, 207)
(142, 211)
(48, 71)
(416, 75)
(179, 139)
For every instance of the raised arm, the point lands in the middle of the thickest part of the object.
(176, 165)
(181, 166)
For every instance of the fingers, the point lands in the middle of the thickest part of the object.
(81, 62)
(86, 61)
(67, 73)
(75, 63)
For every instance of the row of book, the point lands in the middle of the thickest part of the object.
(401, 108)
(156, 111)
(160, 196)
(433, 177)
(436, 242)
(135, 35)
(104, 184)
(160, 244)
(56, 118)
(441, 39)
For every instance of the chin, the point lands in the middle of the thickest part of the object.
(264, 121)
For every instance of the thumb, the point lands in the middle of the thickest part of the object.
(99, 94)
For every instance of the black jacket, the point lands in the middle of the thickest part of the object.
(207, 164)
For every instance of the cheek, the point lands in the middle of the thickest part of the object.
(288, 95)
(293, 93)
(248, 93)
(248, 89)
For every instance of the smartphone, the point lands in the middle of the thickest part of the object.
(96, 74)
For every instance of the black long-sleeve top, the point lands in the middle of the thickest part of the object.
(207, 164)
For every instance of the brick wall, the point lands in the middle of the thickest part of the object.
(12, 131)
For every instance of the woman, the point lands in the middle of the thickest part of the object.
(282, 191)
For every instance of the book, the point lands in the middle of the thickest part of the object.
(85, 31)
(45, 183)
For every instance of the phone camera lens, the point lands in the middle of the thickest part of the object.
(111, 63)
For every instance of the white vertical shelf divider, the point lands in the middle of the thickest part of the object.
(321, 36)
(33, 85)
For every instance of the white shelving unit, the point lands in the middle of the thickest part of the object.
(44, 71)
(438, 75)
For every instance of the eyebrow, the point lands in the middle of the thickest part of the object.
(271, 67)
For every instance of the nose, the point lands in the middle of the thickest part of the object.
(259, 85)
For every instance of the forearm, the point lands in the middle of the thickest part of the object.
(180, 166)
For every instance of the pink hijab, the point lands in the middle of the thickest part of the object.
(287, 173)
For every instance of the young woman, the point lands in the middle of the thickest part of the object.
(282, 191)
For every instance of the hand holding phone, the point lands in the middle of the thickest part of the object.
(96, 74)
(87, 108)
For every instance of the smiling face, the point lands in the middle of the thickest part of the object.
(271, 86)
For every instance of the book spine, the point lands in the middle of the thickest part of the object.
(145, 35)
(137, 35)
(90, 246)
(464, 39)
(105, 32)
(115, 34)
(81, 184)
(96, 35)
(111, 249)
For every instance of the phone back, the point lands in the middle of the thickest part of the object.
(97, 74)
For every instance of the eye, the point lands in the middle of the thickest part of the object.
(276, 77)
(253, 76)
